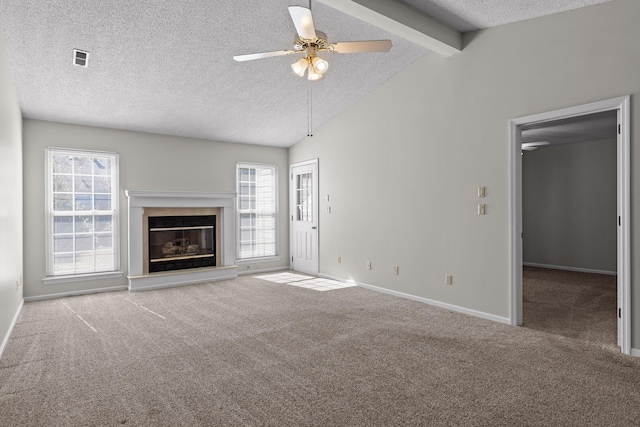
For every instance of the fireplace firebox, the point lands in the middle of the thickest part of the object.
(181, 242)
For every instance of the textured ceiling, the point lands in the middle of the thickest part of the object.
(590, 127)
(470, 15)
(165, 66)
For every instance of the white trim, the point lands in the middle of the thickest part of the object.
(54, 280)
(244, 261)
(181, 278)
(456, 308)
(75, 293)
(5, 341)
(622, 106)
(576, 269)
(261, 270)
(635, 352)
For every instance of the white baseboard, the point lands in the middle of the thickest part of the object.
(576, 269)
(635, 352)
(261, 270)
(428, 301)
(73, 293)
(13, 324)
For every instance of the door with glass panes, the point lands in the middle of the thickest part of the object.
(304, 217)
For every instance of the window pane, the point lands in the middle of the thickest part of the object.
(62, 183)
(246, 203)
(83, 165)
(243, 174)
(103, 202)
(103, 223)
(102, 184)
(82, 184)
(62, 202)
(103, 241)
(84, 262)
(104, 261)
(63, 243)
(84, 242)
(83, 202)
(102, 166)
(63, 224)
(84, 224)
(63, 263)
(247, 189)
(61, 163)
(246, 220)
(245, 235)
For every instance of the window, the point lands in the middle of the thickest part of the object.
(82, 212)
(257, 210)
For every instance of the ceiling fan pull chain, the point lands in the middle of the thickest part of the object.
(310, 111)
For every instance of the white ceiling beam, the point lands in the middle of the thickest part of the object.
(403, 21)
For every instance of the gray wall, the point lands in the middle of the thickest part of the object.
(10, 196)
(569, 211)
(403, 164)
(147, 162)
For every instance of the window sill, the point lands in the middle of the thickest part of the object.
(55, 280)
(260, 259)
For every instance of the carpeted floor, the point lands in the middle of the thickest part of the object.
(571, 304)
(257, 353)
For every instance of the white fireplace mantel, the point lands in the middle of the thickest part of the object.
(226, 253)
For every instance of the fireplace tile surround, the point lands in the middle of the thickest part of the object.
(138, 201)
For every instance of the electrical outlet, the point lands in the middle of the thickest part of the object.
(368, 265)
(481, 192)
(396, 270)
(481, 209)
(339, 260)
(448, 279)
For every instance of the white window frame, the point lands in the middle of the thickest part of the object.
(239, 212)
(62, 277)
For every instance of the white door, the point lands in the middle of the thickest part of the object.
(304, 217)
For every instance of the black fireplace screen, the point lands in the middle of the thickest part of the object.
(181, 242)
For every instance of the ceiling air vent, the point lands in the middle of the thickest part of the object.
(80, 58)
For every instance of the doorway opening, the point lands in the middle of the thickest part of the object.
(522, 130)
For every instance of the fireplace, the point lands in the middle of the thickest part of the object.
(181, 242)
(179, 238)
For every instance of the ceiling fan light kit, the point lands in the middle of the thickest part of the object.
(309, 42)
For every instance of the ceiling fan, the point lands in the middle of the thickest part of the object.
(309, 42)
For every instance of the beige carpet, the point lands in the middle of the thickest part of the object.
(256, 353)
(571, 304)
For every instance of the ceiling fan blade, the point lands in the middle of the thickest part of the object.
(303, 22)
(252, 56)
(364, 46)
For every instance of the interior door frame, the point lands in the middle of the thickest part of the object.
(316, 210)
(622, 106)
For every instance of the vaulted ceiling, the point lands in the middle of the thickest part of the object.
(165, 66)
